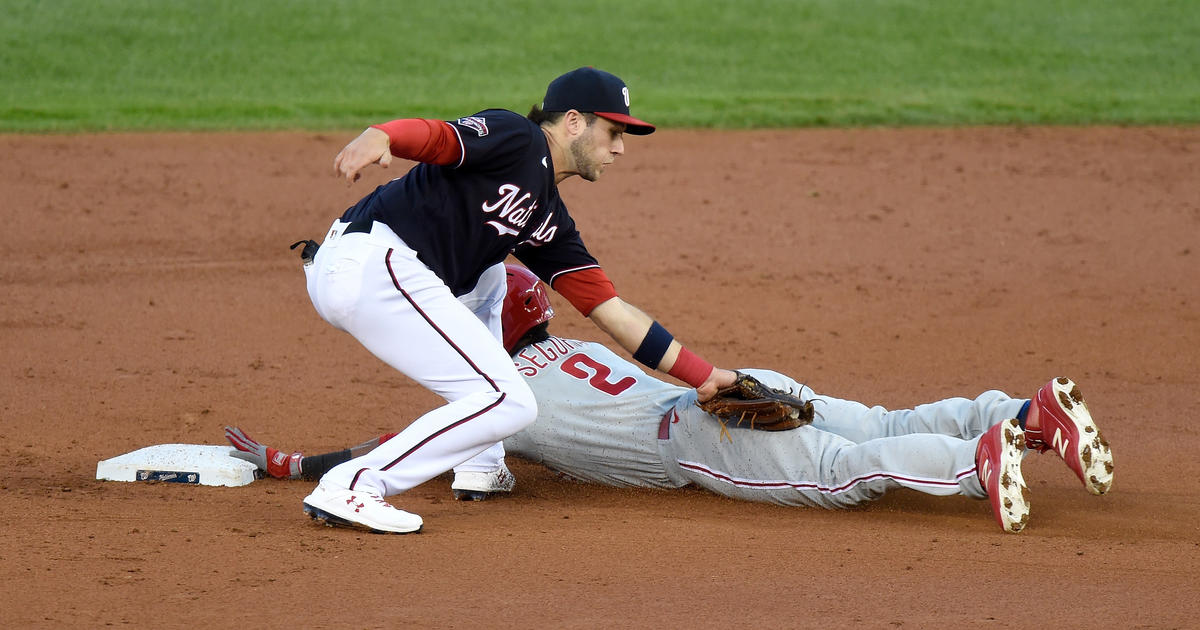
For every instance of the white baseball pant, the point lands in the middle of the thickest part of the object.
(371, 285)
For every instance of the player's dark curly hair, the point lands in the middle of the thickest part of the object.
(540, 117)
(533, 335)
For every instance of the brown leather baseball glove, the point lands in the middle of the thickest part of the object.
(750, 404)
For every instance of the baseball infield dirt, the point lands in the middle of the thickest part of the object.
(150, 297)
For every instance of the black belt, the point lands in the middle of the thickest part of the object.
(310, 247)
(362, 225)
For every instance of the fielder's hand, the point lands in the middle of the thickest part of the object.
(370, 147)
(717, 380)
(750, 404)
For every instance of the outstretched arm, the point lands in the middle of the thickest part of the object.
(656, 348)
(280, 465)
(418, 139)
(370, 147)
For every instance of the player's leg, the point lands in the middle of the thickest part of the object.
(808, 466)
(413, 323)
(964, 418)
(986, 467)
(375, 288)
(486, 474)
(1070, 431)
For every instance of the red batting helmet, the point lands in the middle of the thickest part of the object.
(525, 305)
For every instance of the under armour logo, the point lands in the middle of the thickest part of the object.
(357, 506)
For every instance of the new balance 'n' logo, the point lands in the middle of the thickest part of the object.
(1060, 443)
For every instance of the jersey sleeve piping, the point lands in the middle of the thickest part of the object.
(571, 270)
(462, 148)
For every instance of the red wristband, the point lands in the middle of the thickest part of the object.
(690, 368)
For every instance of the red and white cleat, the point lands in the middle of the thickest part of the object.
(1059, 420)
(998, 464)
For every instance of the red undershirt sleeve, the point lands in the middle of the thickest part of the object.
(585, 289)
(423, 140)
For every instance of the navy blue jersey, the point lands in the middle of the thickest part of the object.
(500, 197)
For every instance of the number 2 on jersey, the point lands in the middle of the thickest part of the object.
(572, 365)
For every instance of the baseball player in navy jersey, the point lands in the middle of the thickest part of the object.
(414, 272)
(602, 419)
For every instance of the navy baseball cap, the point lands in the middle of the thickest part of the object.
(594, 91)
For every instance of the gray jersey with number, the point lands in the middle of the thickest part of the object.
(602, 419)
(597, 414)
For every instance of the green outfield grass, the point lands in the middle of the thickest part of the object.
(71, 65)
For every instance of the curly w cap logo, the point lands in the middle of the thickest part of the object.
(479, 124)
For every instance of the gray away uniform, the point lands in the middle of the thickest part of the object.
(602, 419)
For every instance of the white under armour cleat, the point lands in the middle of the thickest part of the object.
(362, 510)
(477, 486)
